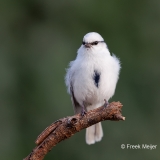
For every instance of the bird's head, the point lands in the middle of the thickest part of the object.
(92, 41)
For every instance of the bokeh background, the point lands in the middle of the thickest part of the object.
(37, 41)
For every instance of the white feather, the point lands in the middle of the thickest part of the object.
(81, 71)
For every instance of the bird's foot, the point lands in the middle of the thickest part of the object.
(83, 112)
(106, 103)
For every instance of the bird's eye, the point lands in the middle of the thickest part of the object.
(94, 43)
(83, 43)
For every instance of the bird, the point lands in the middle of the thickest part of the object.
(91, 78)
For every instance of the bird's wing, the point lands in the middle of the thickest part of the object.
(76, 106)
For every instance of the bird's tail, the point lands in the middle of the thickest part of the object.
(94, 133)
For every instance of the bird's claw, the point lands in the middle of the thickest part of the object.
(83, 112)
(106, 103)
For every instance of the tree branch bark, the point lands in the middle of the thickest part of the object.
(66, 127)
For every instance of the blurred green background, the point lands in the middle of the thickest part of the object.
(37, 41)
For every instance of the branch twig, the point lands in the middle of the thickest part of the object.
(66, 127)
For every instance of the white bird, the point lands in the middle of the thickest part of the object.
(91, 78)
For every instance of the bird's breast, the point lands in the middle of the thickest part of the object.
(87, 84)
(95, 80)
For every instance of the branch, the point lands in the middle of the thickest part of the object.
(66, 127)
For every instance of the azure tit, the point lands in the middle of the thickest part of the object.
(91, 78)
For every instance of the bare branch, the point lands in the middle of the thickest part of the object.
(66, 127)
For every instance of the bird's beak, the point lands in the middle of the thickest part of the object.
(87, 45)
